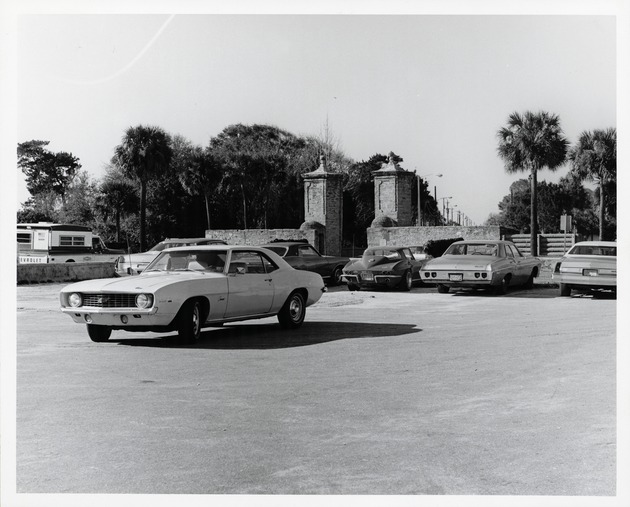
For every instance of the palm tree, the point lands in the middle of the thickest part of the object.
(117, 196)
(594, 158)
(531, 142)
(144, 153)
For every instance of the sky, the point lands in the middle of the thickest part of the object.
(433, 88)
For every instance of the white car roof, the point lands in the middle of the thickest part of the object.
(596, 243)
(222, 248)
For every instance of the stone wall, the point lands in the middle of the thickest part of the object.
(417, 236)
(256, 237)
(66, 272)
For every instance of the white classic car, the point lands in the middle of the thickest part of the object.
(134, 263)
(187, 288)
(492, 264)
(587, 265)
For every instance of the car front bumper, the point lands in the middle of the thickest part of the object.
(120, 318)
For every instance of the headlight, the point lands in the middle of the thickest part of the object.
(75, 300)
(144, 301)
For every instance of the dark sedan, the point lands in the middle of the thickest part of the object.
(302, 255)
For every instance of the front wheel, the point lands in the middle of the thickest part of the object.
(529, 284)
(565, 289)
(99, 333)
(443, 289)
(335, 279)
(293, 311)
(189, 325)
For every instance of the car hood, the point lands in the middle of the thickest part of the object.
(150, 281)
(460, 262)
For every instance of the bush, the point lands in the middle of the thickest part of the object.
(436, 247)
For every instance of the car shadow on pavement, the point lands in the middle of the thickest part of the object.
(272, 336)
(512, 292)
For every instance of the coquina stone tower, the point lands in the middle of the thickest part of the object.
(323, 207)
(392, 195)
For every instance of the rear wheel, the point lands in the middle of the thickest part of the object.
(565, 289)
(501, 289)
(293, 311)
(189, 325)
(406, 282)
(443, 289)
(99, 333)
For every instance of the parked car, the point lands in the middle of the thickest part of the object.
(490, 264)
(302, 255)
(587, 265)
(187, 288)
(134, 264)
(385, 267)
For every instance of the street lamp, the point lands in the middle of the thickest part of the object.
(444, 206)
(450, 212)
(418, 177)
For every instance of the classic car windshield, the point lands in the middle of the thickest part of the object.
(473, 249)
(189, 260)
(383, 252)
(608, 251)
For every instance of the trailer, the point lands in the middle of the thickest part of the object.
(46, 242)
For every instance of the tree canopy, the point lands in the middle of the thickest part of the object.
(46, 171)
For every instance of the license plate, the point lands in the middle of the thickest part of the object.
(590, 272)
(367, 275)
(455, 277)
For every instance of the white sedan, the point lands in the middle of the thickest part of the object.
(588, 265)
(187, 288)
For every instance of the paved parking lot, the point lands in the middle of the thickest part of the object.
(378, 393)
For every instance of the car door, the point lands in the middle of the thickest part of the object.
(521, 269)
(250, 283)
(312, 260)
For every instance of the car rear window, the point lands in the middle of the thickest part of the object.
(606, 251)
(280, 250)
(383, 252)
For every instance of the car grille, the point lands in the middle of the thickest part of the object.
(109, 300)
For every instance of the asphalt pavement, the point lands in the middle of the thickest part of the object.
(379, 393)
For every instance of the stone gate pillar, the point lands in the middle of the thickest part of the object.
(323, 206)
(392, 195)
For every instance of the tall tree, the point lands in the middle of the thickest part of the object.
(46, 171)
(531, 142)
(256, 167)
(198, 170)
(144, 153)
(594, 158)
